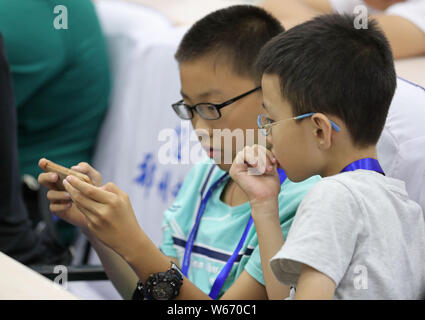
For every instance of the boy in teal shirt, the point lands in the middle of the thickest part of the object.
(211, 216)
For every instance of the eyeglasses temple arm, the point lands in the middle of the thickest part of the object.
(333, 124)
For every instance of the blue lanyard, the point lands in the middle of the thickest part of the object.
(365, 164)
(221, 278)
(194, 231)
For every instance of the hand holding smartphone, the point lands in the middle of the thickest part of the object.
(63, 172)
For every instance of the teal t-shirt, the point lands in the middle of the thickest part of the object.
(221, 227)
(60, 77)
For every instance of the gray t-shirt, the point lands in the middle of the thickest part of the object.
(360, 229)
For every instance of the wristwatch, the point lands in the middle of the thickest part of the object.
(161, 285)
(164, 285)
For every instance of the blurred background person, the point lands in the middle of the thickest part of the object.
(17, 238)
(60, 75)
(403, 21)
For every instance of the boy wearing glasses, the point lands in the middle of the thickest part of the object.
(209, 234)
(356, 234)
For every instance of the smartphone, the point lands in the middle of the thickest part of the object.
(63, 172)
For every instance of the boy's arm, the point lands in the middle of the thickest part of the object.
(314, 285)
(270, 240)
(146, 259)
(142, 262)
(118, 270)
(405, 38)
(244, 288)
(111, 222)
(262, 190)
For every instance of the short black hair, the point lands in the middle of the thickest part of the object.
(236, 33)
(327, 65)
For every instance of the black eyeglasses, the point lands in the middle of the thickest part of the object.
(208, 111)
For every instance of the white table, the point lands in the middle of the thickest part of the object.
(18, 282)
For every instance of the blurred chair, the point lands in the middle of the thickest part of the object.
(400, 147)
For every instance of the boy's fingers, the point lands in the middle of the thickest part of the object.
(49, 180)
(256, 159)
(42, 163)
(88, 190)
(254, 162)
(266, 156)
(266, 160)
(261, 156)
(269, 161)
(88, 170)
(82, 201)
(249, 157)
(64, 212)
(57, 208)
(111, 187)
(47, 177)
(270, 156)
(82, 167)
(239, 164)
(54, 195)
(240, 158)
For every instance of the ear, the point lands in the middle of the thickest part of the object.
(322, 130)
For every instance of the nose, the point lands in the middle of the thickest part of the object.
(201, 125)
(197, 121)
(269, 141)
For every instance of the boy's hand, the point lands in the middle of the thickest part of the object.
(255, 171)
(60, 201)
(108, 213)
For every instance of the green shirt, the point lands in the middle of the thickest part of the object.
(221, 227)
(60, 77)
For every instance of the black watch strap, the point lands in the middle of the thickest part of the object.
(139, 292)
(176, 269)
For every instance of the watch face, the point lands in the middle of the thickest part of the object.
(163, 291)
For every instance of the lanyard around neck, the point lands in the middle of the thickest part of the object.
(221, 278)
(365, 164)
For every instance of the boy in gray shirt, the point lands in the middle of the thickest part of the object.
(327, 88)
